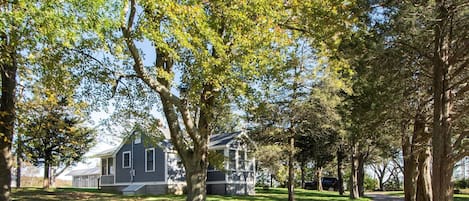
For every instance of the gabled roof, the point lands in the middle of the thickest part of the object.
(217, 140)
(223, 138)
(84, 172)
(106, 152)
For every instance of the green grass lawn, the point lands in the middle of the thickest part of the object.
(457, 197)
(65, 194)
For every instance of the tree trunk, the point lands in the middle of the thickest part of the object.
(45, 179)
(271, 180)
(442, 166)
(302, 167)
(319, 178)
(291, 171)
(340, 173)
(19, 155)
(52, 177)
(7, 121)
(410, 165)
(18, 172)
(361, 174)
(196, 183)
(424, 188)
(353, 176)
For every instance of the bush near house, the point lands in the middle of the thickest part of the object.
(461, 184)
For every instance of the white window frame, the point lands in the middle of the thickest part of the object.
(138, 139)
(146, 160)
(123, 159)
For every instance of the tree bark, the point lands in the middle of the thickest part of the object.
(196, 182)
(354, 175)
(410, 166)
(361, 174)
(19, 154)
(424, 188)
(302, 168)
(7, 120)
(45, 179)
(442, 166)
(291, 171)
(340, 172)
(319, 178)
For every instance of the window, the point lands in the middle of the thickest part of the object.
(126, 159)
(232, 157)
(241, 159)
(107, 166)
(110, 166)
(104, 167)
(138, 139)
(150, 160)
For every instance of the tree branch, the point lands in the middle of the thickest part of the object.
(461, 137)
(114, 88)
(429, 57)
(58, 173)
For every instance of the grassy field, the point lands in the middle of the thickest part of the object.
(66, 194)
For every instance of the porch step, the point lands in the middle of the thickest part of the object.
(134, 189)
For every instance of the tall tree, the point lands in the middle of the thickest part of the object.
(27, 29)
(432, 42)
(202, 60)
(55, 135)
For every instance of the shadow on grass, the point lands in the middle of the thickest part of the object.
(274, 194)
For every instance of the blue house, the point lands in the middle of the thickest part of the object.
(140, 166)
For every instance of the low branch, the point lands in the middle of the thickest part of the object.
(58, 173)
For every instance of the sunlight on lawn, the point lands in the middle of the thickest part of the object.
(65, 194)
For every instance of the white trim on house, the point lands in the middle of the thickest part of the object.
(146, 160)
(243, 133)
(219, 147)
(177, 182)
(229, 182)
(145, 183)
(123, 159)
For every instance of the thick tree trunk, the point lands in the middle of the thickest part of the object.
(410, 165)
(442, 166)
(424, 188)
(291, 171)
(196, 183)
(45, 179)
(361, 174)
(319, 178)
(354, 175)
(7, 123)
(340, 172)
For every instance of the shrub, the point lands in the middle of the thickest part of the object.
(461, 184)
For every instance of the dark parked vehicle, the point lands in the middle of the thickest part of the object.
(328, 183)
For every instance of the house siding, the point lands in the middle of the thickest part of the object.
(138, 157)
(216, 176)
(169, 175)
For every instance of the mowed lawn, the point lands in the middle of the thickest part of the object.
(65, 194)
(457, 197)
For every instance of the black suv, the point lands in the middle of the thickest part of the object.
(328, 183)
